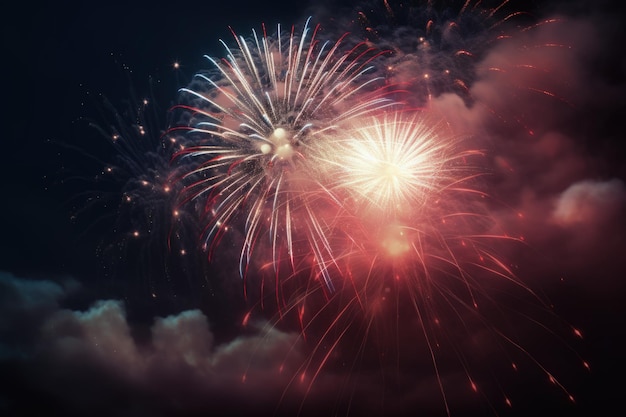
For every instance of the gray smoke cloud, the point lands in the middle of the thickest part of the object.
(91, 358)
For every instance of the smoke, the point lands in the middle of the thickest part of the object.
(544, 105)
(92, 359)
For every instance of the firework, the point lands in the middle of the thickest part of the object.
(145, 229)
(420, 235)
(389, 164)
(253, 121)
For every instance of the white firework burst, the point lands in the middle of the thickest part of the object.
(251, 127)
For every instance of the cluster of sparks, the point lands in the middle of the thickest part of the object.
(336, 193)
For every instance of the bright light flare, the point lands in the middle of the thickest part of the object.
(391, 164)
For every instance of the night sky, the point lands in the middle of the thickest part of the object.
(96, 322)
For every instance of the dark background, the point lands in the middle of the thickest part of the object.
(61, 59)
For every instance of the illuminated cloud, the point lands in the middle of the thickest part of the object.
(590, 203)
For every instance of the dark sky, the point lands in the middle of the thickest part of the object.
(92, 323)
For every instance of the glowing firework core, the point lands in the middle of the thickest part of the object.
(390, 164)
(281, 145)
(395, 241)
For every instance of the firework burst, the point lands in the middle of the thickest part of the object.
(420, 235)
(253, 121)
(134, 201)
(389, 163)
(439, 48)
